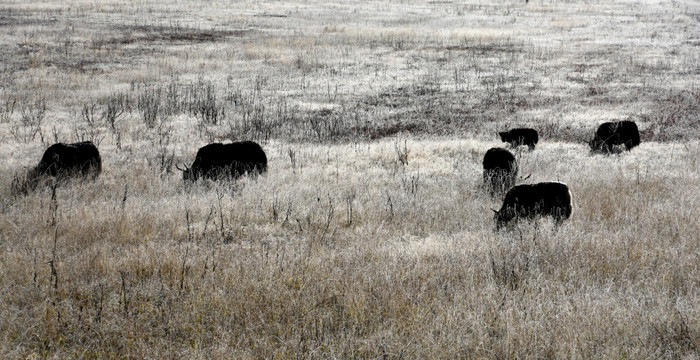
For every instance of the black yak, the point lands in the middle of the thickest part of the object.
(520, 136)
(500, 170)
(615, 133)
(63, 161)
(231, 161)
(531, 201)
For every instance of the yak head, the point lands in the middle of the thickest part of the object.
(502, 217)
(497, 218)
(27, 182)
(602, 146)
(188, 173)
(504, 136)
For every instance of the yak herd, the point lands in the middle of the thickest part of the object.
(231, 161)
(546, 198)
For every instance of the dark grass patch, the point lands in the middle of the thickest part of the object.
(387, 130)
(675, 117)
(78, 65)
(13, 18)
(486, 48)
(156, 34)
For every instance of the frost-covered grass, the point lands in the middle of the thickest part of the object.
(370, 234)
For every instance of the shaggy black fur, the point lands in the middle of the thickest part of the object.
(500, 170)
(530, 201)
(615, 133)
(520, 136)
(231, 161)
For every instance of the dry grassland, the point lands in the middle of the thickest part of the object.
(370, 235)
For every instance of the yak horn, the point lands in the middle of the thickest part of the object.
(177, 166)
(496, 211)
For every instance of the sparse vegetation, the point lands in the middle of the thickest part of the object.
(370, 235)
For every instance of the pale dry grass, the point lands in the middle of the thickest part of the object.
(370, 235)
(349, 252)
(434, 68)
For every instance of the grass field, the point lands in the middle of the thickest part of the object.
(370, 236)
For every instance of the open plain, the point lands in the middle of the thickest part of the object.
(370, 235)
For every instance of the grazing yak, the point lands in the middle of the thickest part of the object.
(615, 133)
(531, 201)
(64, 161)
(520, 136)
(231, 161)
(500, 170)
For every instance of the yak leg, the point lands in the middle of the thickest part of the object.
(608, 147)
